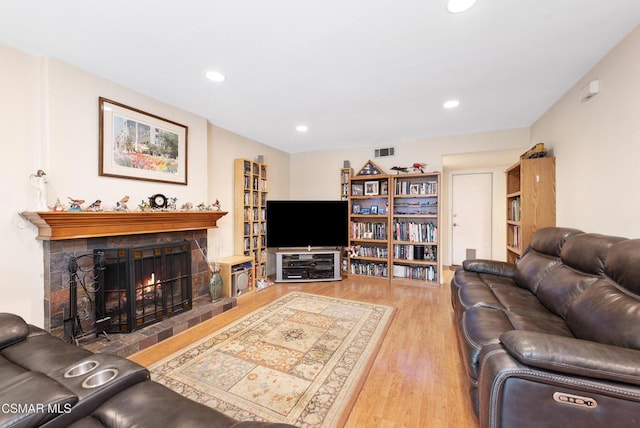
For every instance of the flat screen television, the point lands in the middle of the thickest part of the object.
(307, 224)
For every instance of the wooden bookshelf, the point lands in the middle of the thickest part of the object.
(250, 205)
(531, 202)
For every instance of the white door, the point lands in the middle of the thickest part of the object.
(471, 208)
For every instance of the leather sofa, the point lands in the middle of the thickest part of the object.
(554, 340)
(47, 382)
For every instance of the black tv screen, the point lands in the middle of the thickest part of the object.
(307, 223)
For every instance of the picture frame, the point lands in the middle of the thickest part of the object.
(366, 211)
(357, 189)
(356, 209)
(374, 209)
(414, 189)
(371, 188)
(138, 145)
(384, 189)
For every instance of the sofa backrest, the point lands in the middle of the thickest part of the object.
(583, 259)
(609, 310)
(542, 255)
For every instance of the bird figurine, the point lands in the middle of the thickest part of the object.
(95, 206)
(76, 204)
(121, 205)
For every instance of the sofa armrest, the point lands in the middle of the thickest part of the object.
(13, 329)
(494, 267)
(573, 356)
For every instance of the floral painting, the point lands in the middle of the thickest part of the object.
(139, 145)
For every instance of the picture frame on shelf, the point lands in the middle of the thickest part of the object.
(374, 209)
(366, 211)
(414, 189)
(371, 188)
(357, 189)
(356, 209)
(139, 145)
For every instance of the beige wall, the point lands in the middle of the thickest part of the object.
(224, 147)
(597, 146)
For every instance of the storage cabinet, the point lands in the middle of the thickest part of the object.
(415, 221)
(237, 275)
(531, 202)
(302, 265)
(250, 185)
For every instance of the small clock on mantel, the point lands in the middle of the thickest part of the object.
(158, 201)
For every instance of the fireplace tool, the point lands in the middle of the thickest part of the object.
(83, 271)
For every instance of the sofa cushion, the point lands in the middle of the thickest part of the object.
(31, 399)
(13, 329)
(542, 256)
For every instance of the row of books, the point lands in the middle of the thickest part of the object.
(370, 269)
(254, 214)
(426, 273)
(248, 198)
(408, 252)
(367, 230)
(411, 188)
(373, 251)
(516, 237)
(414, 232)
(514, 208)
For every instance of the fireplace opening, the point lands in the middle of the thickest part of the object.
(142, 286)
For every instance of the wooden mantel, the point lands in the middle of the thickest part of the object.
(53, 226)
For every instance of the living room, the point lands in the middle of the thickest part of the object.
(50, 111)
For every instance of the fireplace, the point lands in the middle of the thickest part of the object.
(140, 286)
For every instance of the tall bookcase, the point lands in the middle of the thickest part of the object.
(531, 202)
(415, 221)
(394, 224)
(369, 223)
(250, 184)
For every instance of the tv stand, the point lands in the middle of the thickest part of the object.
(307, 265)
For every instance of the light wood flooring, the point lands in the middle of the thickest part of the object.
(417, 378)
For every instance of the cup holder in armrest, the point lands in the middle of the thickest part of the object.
(100, 378)
(81, 368)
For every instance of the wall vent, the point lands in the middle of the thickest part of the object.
(387, 151)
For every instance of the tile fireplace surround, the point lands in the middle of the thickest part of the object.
(74, 234)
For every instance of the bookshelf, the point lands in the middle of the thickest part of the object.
(369, 223)
(415, 223)
(531, 202)
(250, 199)
(345, 175)
(394, 226)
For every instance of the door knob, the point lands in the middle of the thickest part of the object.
(455, 224)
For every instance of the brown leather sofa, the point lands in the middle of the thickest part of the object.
(47, 382)
(553, 341)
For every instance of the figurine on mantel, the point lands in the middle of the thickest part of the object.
(121, 205)
(216, 206)
(39, 181)
(76, 204)
(96, 206)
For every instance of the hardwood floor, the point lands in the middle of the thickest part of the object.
(417, 379)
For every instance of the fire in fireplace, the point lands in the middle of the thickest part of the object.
(141, 286)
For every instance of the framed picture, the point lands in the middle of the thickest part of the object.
(414, 189)
(366, 211)
(357, 190)
(374, 209)
(356, 209)
(371, 188)
(139, 145)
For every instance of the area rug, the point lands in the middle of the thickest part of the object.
(300, 360)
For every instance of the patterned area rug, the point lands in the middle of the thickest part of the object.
(301, 360)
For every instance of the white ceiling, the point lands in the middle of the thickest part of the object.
(356, 72)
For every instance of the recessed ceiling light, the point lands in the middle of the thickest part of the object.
(458, 6)
(451, 104)
(302, 128)
(215, 76)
